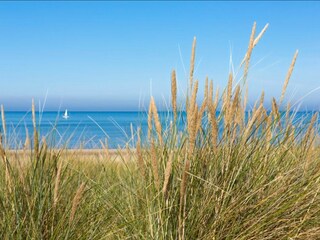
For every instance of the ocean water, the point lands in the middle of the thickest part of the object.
(89, 129)
(81, 129)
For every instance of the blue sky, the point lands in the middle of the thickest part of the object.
(114, 55)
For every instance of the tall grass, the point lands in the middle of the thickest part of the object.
(230, 174)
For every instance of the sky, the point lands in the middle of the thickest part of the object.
(112, 56)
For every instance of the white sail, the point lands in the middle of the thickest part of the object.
(66, 116)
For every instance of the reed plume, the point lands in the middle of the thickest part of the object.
(227, 101)
(288, 113)
(150, 121)
(284, 88)
(210, 94)
(44, 145)
(275, 109)
(235, 108)
(228, 93)
(214, 130)
(76, 200)
(245, 99)
(156, 120)
(200, 114)
(174, 94)
(204, 106)
(268, 131)
(56, 185)
(193, 100)
(310, 127)
(4, 128)
(251, 122)
(255, 42)
(167, 174)
(262, 98)
(206, 89)
(216, 99)
(249, 51)
(192, 115)
(260, 35)
(193, 52)
(212, 106)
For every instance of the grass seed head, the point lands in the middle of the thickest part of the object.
(193, 53)
(167, 174)
(249, 52)
(4, 128)
(286, 82)
(75, 202)
(156, 120)
(174, 94)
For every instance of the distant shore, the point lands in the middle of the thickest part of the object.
(83, 152)
(74, 150)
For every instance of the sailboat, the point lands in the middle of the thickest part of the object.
(65, 115)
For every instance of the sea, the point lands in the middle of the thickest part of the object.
(90, 130)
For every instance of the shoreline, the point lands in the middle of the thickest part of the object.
(95, 151)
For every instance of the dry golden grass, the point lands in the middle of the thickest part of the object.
(150, 121)
(192, 114)
(229, 174)
(3, 119)
(286, 82)
(167, 174)
(249, 52)
(139, 155)
(193, 52)
(174, 94)
(76, 200)
(255, 42)
(56, 185)
(154, 163)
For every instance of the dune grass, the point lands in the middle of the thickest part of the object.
(232, 174)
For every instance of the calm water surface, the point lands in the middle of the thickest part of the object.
(81, 129)
(86, 129)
